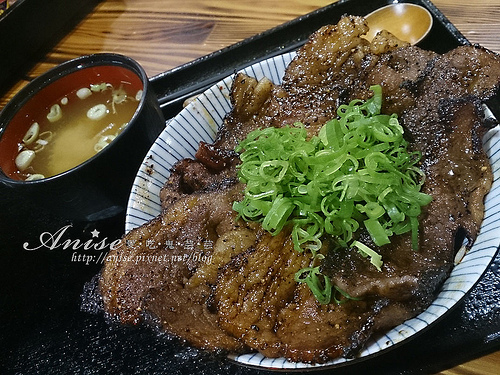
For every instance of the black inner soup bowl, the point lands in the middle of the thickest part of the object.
(99, 186)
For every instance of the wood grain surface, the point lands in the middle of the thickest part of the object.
(163, 34)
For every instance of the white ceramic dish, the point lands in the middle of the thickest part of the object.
(200, 121)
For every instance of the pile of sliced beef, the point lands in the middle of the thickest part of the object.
(233, 287)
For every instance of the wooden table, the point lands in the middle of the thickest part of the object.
(163, 34)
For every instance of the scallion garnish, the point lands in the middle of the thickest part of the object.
(356, 172)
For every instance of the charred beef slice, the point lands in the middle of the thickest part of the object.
(245, 297)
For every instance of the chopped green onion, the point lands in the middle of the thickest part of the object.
(277, 215)
(341, 296)
(356, 173)
(366, 251)
(319, 284)
(377, 232)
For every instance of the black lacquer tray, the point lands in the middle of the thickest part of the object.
(49, 324)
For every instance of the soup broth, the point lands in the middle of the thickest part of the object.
(74, 129)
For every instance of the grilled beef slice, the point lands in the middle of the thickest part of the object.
(242, 296)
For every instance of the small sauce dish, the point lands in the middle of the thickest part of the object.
(408, 22)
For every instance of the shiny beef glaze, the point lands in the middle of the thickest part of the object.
(245, 297)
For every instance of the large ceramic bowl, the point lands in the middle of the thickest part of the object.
(98, 187)
(200, 121)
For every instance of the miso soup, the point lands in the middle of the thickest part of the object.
(74, 129)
